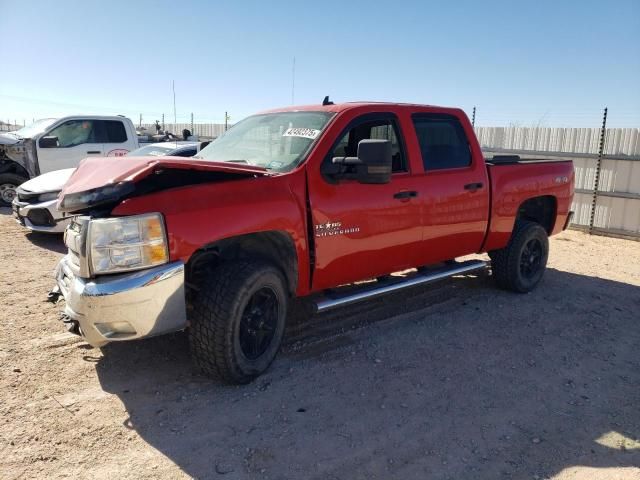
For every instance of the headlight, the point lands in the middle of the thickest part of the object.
(45, 197)
(127, 243)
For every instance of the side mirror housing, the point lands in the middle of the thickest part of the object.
(48, 142)
(372, 165)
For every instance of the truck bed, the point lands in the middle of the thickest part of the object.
(513, 181)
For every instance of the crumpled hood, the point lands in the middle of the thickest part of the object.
(48, 182)
(7, 139)
(101, 180)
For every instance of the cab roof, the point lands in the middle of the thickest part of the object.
(342, 107)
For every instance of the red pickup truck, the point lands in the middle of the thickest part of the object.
(289, 203)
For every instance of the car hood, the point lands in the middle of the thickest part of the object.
(108, 180)
(8, 139)
(48, 182)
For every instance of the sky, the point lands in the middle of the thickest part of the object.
(546, 63)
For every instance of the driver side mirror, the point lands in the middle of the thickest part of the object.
(48, 142)
(372, 165)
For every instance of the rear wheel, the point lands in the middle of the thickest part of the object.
(238, 320)
(521, 264)
(8, 184)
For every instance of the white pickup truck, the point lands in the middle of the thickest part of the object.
(57, 143)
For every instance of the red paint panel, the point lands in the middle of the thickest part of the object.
(512, 185)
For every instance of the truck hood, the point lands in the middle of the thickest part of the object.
(8, 139)
(48, 182)
(108, 180)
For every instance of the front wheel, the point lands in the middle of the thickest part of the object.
(8, 184)
(521, 264)
(238, 320)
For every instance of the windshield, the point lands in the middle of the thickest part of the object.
(153, 150)
(35, 128)
(275, 141)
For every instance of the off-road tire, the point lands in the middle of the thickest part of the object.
(506, 262)
(216, 315)
(10, 179)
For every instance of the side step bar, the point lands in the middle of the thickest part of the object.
(330, 301)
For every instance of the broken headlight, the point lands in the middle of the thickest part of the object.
(127, 243)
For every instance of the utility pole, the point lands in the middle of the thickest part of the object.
(596, 183)
(473, 117)
(140, 124)
(163, 122)
(191, 123)
(226, 121)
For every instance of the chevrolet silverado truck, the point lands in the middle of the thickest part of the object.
(296, 202)
(57, 143)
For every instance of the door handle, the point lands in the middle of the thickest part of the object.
(93, 152)
(405, 194)
(473, 186)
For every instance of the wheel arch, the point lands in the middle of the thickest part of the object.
(9, 166)
(275, 246)
(541, 210)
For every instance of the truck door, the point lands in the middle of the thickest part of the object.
(362, 231)
(75, 140)
(454, 188)
(116, 143)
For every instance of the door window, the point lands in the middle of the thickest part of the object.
(443, 142)
(75, 132)
(382, 129)
(114, 131)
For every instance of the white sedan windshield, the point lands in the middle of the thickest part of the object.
(275, 141)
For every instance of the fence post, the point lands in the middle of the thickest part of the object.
(473, 117)
(596, 183)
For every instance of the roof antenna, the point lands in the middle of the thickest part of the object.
(326, 101)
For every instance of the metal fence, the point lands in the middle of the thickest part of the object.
(9, 127)
(209, 130)
(612, 209)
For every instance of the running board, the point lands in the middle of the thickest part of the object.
(330, 301)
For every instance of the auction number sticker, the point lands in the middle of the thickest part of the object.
(302, 132)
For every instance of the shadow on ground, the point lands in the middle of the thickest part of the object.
(50, 241)
(460, 381)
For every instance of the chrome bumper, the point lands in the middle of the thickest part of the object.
(127, 306)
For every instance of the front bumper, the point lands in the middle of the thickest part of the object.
(126, 306)
(40, 217)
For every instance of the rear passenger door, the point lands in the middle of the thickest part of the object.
(454, 188)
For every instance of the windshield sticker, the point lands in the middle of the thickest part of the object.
(302, 132)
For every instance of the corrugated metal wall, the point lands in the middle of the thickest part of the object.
(202, 129)
(617, 208)
(620, 141)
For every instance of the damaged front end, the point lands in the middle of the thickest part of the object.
(100, 184)
(20, 152)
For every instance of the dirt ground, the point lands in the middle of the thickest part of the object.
(453, 381)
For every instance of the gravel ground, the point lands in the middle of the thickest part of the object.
(453, 381)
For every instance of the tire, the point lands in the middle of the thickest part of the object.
(8, 184)
(520, 266)
(235, 299)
